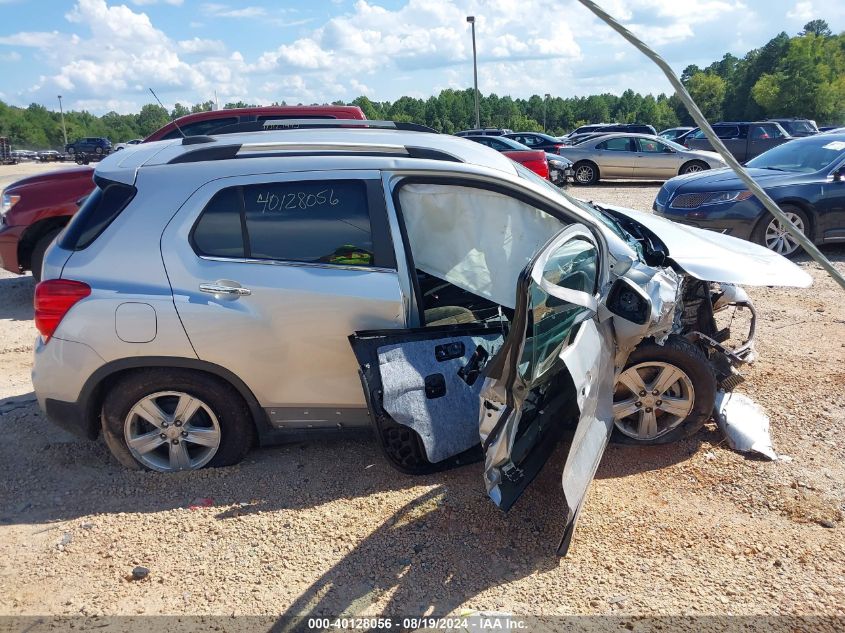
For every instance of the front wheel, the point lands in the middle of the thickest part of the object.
(174, 419)
(772, 233)
(586, 173)
(693, 167)
(664, 394)
(71, 150)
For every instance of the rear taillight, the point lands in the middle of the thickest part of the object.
(557, 147)
(53, 299)
(539, 166)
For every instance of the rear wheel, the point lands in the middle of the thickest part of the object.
(586, 173)
(36, 260)
(174, 419)
(693, 167)
(772, 233)
(665, 393)
(98, 150)
(71, 150)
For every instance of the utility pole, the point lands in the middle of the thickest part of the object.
(471, 20)
(545, 101)
(62, 112)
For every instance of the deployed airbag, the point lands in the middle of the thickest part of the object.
(476, 239)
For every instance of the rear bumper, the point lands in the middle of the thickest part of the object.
(10, 236)
(59, 372)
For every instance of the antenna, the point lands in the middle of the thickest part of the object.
(174, 120)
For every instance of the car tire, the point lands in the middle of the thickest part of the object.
(98, 150)
(71, 150)
(217, 432)
(586, 173)
(36, 260)
(693, 394)
(770, 233)
(693, 167)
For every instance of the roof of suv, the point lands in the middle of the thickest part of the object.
(315, 148)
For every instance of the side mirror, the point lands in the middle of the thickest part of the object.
(627, 300)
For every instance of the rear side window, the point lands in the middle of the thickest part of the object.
(726, 131)
(99, 210)
(315, 222)
(324, 222)
(616, 145)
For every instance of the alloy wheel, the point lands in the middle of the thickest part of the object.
(778, 239)
(693, 169)
(584, 174)
(651, 399)
(172, 430)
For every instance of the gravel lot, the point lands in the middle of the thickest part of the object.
(691, 528)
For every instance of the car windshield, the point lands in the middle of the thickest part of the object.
(594, 211)
(675, 146)
(798, 127)
(804, 155)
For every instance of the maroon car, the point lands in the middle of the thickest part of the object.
(35, 209)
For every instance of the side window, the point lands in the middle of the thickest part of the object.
(759, 133)
(573, 266)
(218, 232)
(499, 146)
(772, 131)
(198, 128)
(530, 141)
(726, 131)
(651, 146)
(315, 221)
(615, 145)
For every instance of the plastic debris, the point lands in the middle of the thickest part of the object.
(744, 423)
(201, 502)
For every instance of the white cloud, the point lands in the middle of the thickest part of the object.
(218, 10)
(801, 11)
(12, 56)
(175, 3)
(198, 45)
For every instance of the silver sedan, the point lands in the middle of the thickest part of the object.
(640, 156)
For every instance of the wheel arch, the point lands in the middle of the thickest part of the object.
(689, 162)
(94, 391)
(35, 232)
(808, 209)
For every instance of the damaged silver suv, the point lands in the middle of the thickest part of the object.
(206, 295)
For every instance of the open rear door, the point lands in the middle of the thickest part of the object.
(422, 387)
(554, 371)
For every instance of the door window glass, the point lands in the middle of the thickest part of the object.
(652, 146)
(316, 221)
(218, 232)
(616, 145)
(552, 321)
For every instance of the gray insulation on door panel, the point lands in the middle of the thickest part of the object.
(448, 424)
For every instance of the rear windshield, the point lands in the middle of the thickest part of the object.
(98, 211)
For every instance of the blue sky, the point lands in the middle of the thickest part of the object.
(102, 55)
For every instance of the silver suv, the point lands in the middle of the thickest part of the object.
(206, 295)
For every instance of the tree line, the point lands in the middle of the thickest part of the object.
(802, 76)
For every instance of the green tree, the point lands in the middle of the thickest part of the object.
(708, 91)
(817, 27)
(151, 118)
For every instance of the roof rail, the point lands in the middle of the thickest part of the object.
(282, 124)
(306, 148)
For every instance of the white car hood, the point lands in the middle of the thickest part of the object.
(711, 256)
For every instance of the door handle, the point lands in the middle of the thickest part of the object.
(219, 289)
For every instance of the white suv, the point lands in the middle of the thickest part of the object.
(207, 293)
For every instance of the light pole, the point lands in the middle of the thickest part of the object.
(545, 101)
(471, 20)
(62, 112)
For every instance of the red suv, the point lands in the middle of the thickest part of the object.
(35, 209)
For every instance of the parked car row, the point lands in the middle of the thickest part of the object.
(468, 287)
(806, 177)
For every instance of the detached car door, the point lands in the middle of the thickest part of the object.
(554, 372)
(271, 272)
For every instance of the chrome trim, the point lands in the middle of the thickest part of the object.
(217, 289)
(284, 262)
(247, 149)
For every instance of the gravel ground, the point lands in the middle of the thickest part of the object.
(324, 528)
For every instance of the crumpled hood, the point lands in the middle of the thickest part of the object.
(711, 256)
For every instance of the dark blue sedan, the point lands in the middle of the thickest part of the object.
(806, 177)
